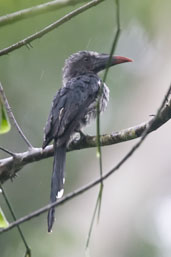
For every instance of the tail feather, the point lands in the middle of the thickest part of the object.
(56, 180)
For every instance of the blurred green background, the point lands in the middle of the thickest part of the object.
(136, 209)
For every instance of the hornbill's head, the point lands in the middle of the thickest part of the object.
(84, 62)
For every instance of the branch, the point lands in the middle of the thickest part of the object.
(98, 204)
(9, 166)
(115, 40)
(26, 41)
(36, 10)
(28, 250)
(11, 116)
(7, 151)
(85, 188)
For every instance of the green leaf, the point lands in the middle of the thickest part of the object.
(5, 125)
(3, 221)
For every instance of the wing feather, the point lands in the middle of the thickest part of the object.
(69, 106)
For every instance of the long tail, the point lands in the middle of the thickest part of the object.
(57, 180)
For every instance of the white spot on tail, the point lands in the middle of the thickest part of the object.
(60, 193)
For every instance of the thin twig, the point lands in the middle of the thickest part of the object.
(115, 40)
(92, 220)
(50, 27)
(7, 151)
(96, 208)
(11, 116)
(36, 10)
(97, 181)
(28, 250)
(99, 152)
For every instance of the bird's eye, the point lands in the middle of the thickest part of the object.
(85, 59)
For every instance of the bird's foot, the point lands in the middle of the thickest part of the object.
(78, 139)
(82, 135)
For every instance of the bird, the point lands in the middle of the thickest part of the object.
(73, 106)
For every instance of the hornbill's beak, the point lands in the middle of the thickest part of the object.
(103, 60)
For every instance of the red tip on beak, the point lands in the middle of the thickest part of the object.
(120, 59)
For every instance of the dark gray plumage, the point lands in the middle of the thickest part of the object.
(73, 107)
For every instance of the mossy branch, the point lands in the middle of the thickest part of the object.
(11, 165)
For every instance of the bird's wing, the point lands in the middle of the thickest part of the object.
(69, 106)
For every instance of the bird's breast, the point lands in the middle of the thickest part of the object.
(92, 109)
(104, 99)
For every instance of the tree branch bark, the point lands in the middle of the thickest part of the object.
(11, 165)
(36, 10)
(26, 41)
(11, 116)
